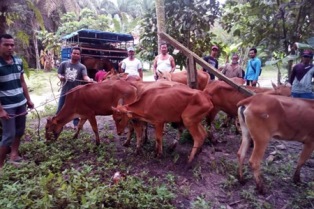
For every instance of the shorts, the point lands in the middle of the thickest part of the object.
(13, 127)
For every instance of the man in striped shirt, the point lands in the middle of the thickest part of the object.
(14, 98)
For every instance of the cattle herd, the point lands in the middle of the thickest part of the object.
(269, 113)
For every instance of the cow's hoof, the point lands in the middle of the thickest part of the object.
(138, 151)
(97, 143)
(296, 179)
(188, 166)
(260, 189)
(126, 144)
(172, 147)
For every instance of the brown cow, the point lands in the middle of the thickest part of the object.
(162, 104)
(88, 101)
(263, 117)
(225, 97)
(181, 77)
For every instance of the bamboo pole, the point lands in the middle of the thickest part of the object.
(204, 64)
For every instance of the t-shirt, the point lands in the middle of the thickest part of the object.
(212, 61)
(73, 73)
(231, 71)
(301, 78)
(100, 75)
(164, 65)
(11, 90)
(131, 66)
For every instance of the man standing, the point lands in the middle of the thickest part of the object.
(253, 68)
(132, 65)
(71, 74)
(301, 77)
(14, 97)
(212, 59)
(234, 69)
(163, 62)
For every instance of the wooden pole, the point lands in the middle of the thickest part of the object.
(204, 64)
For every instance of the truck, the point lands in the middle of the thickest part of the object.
(100, 50)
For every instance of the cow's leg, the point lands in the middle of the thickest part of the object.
(197, 131)
(246, 138)
(159, 128)
(210, 117)
(305, 155)
(79, 128)
(260, 144)
(227, 121)
(139, 129)
(237, 126)
(178, 137)
(145, 135)
(129, 134)
(93, 123)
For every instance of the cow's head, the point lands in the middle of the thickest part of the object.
(53, 130)
(121, 116)
(283, 90)
(164, 75)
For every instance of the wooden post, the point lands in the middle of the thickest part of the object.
(192, 74)
(204, 64)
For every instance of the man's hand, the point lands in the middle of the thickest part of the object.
(30, 104)
(4, 114)
(62, 78)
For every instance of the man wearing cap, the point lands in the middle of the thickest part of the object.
(301, 77)
(132, 65)
(212, 59)
(163, 62)
(253, 68)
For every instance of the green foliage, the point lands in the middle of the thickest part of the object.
(274, 25)
(188, 22)
(54, 179)
(200, 203)
(87, 19)
(50, 41)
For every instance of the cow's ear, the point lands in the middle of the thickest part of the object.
(129, 114)
(274, 85)
(115, 109)
(120, 102)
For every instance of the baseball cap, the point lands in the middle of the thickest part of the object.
(131, 49)
(307, 53)
(215, 47)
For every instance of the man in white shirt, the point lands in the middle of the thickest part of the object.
(132, 65)
(163, 62)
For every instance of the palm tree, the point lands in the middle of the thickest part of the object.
(130, 7)
(161, 19)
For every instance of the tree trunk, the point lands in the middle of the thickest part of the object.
(161, 19)
(36, 51)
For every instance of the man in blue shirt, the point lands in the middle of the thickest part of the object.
(14, 98)
(253, 68)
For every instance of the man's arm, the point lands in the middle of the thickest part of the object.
(291, 79)
(173, 64)
(61, 72)
(155, 66)
(30, 104)
(85, 76)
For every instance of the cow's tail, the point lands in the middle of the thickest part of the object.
(241, 113)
